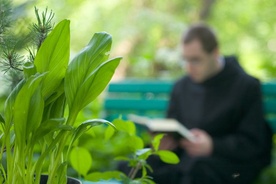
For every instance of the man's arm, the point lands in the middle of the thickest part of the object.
(252, 138)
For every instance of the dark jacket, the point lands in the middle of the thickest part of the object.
(229, 107)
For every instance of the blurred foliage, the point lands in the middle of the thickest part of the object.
(147, 32)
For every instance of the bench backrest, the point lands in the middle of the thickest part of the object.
(150, 98)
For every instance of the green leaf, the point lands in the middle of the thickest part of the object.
(9, 104)
(28, 108)
(168, 156)
(35, 111)
(135, 143)
(59, 91)
(89, 72)
(156, 141)
(81, 160)
(144, 171)
(144, 153)
(2, 119)
(98, 176)
(2, 122)
(29, 69)
(122, 158)
(57, 107)
(87, 125)
(121, 125)
(53, 57)
(47, 127)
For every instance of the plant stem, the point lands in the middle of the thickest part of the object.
(70, 121)
(134, 171)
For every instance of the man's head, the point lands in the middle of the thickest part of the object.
(200, 52)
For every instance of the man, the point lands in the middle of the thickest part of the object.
(222, 106)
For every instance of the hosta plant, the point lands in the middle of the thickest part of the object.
(34, 117)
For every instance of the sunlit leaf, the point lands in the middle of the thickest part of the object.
(135, 143)
(28, 98)
(168, 156)
(156, 141)
(53, 57)
(85, 63)
(89, 72)
(121, 125)
(81, 160)
(87, 125)
(93, 85)
(98, 176)
(9, 104)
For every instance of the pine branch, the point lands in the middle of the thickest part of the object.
(43, 26)
(5, 20)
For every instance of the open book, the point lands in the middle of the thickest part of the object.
(163, 125)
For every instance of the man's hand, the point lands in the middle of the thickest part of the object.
(202, 146)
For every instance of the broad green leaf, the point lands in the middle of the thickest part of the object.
(89, 72)
(121, 125)
(53, 57)
(98, 176)
(156, 141)
(92, 86)
(47, 127)
(57, 107)
(135, 143)
(168, 156)
(9, 104)
(59, 91)
(27, 100)
(35, 111)
(85, 126)
(81, 160)
(90, 58)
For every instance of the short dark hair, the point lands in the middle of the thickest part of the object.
(203, 34)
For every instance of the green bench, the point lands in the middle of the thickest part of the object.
(150, 98)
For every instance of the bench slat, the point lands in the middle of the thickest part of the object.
(270, 106)
(141, 87)
(136, 104)
(269, 89)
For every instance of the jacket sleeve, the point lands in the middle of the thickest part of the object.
(252, 137)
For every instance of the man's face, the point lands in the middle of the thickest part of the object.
(199, 64)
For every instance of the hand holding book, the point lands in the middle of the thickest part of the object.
(202, 146)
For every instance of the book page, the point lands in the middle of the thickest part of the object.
(163, 125)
